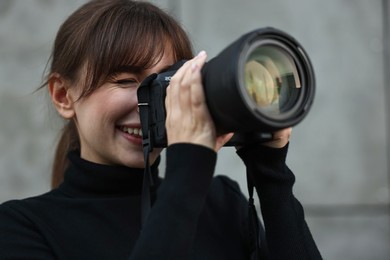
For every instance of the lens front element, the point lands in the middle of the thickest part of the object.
(271, 80)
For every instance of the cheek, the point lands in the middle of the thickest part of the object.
(92, 114)
(90, 119)
(105, 108)
(122, 102)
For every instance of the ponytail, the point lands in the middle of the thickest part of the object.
(68, 141)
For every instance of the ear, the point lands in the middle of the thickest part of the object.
(61, 96)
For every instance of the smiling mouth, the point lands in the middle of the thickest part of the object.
(131, 131)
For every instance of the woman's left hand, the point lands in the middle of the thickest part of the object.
(188, 119)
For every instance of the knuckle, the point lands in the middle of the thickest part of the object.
(174, 80)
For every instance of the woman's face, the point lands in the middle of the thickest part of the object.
(108, 120)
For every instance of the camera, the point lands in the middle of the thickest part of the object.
(262, 82)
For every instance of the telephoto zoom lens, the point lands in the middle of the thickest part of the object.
(262, 82)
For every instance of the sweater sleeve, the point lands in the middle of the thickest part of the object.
(171, 225)
(288, 236)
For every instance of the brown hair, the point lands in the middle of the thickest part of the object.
(105, 36)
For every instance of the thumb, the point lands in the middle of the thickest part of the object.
(222, 140)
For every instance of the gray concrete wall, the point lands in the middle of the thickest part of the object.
(339, 153)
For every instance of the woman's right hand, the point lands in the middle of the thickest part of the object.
(188, 119)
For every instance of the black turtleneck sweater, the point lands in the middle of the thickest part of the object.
(95, 213)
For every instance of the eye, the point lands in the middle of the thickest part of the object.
(124, 81)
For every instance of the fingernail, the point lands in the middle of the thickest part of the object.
(201, 53)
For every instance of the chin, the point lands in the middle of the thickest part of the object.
(136, 160)
(134, 163)
(132, 160)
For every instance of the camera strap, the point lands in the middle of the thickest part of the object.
(254, 226)
(143, 106)
(146, 185)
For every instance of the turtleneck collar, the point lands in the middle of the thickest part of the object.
(87, 179)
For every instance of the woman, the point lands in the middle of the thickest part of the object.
(101, 54)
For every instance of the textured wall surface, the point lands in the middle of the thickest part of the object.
(339, 153)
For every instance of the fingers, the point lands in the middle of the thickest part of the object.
(171, 103)
(182, 85)
(283, 134)
(280, 138)
(188, 118)
(198, 100)
(176, 87)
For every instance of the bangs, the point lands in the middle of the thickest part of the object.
(136, 43)
(131, 39)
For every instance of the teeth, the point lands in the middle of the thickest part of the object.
(132, 131)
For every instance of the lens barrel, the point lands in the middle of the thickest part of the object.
(264, 81)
